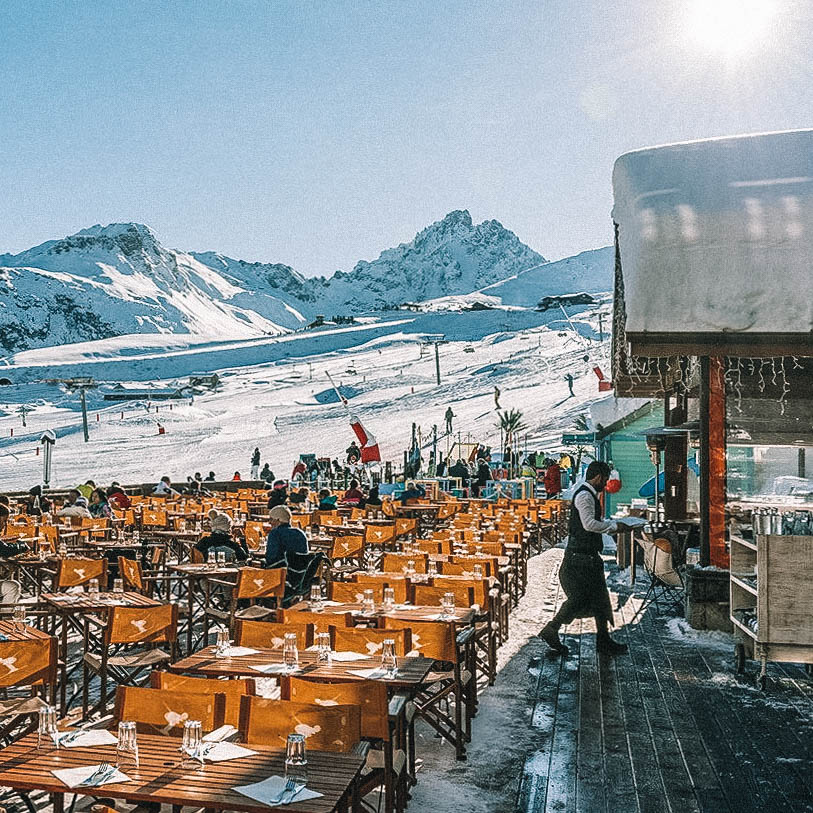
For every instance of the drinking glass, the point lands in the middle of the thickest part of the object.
(410, 567)
(19, 616)
(93, 586)
(389, 663)
(371, 565)
(223, 643)
(136, 537)
(62, 550)
(389, 599)
(192, 740)
(221, 557)
(447, 603)
(182, 527)
(211, 558)
(323, 650)
(47, 734)
(118, 585)
(316, 597)
(40, 546)
(296, 763)
(127, 745)
(478, 571)
(290, 652)
(432, 568)
(368, 603)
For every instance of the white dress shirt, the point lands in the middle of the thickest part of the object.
(586, 506)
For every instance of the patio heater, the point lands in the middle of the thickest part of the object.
(656, 443)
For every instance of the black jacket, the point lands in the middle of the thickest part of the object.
(279, 496)
(217, 539)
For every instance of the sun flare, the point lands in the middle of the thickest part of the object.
(730, 26)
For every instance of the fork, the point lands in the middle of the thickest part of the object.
(290, 784)
(97, 775)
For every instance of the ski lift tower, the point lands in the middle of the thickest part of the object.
(436, 339)
(82, 384)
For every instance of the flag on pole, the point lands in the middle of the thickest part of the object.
(369, 445)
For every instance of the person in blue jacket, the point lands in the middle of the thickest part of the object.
(414, 491)
(282, 537)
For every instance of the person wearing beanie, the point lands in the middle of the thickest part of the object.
(279, 494)
(77, 507)
(220, 539)
(283, 538)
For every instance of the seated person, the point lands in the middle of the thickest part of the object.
(164, 488)
(75, 506)
(354, 495)
(279, 494)
(413, 491)
(98, 505)
(373, 500)
(327, 501)
(298, 497)
(266, 474)
(37, 504)
(117, 498)
(220, 540)
(282, 537)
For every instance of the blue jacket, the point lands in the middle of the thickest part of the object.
(416, 493)
(282, 539)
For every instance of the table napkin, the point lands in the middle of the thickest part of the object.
(86, 738)
(240, 651)
(269, 789)
(220, 734)
(370, 674)
(224, 751)
(73, 777)
(275, 669)
(340, 657)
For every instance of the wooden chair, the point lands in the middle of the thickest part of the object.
(28, 681)
(232, 690)
(131, 645)
(270, 634)
(346, 554)
(380, 535)
(353, 593)
(321, 622)
(253, 584)
(441, 641)
(369, 641)
(326, 728)
(164, 711)
(76, 572)
(387, 765)
(405, 525)
(399, 585)
(155, 518)
(254, 534)
(396, 562)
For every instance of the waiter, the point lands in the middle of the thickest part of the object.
(582, 570)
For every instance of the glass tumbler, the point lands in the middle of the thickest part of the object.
(389, 662)
(290, 652)
(192, 744)
(323, 650)
(127, 745)
(223, 643)
(432, 568)
(389, 599)
(118, 585)
(316, 597)
(211, 558)
(478, 571)
(19, 616)
(221, 557)
(447, 602)
(93, 586)
(368, 604)
(47, 734)
(296, 762)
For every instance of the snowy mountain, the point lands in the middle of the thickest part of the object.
(115, 280)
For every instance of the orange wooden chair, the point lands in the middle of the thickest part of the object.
(321, 622)
(232, 690)
(76, 572)
(28, 679)
(164, 711)
(369, 641)
(398, 583)
(353, 593)
(326, 728)
(270, 634)
(396, 562)
(253, 584)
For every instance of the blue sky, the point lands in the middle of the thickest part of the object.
(319, 133)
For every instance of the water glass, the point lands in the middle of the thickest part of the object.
(223, 643)
(296, 763)
(368, 602)
(19, 616)
(127, 745)
(192, 744)
(93, 586)
(389, 662)
(371, 565)
(316, 597)
(447, 603)
(221, 557)
(410, 567)
(47, 734)
(118, 585)
(432, 568)
(324, 654)
(136, 537)
(211, 558)
(290, 652)
(62, 550)
(389, 599)
(478, 571)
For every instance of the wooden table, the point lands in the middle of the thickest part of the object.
(462, 615)
(411, 671)
(160, 778)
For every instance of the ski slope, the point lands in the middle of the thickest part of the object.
(273, 393)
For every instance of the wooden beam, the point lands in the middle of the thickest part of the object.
(718, 555)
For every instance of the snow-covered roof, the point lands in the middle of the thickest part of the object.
(716, 236)
(611, 410)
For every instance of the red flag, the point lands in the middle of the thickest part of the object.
(369, 446)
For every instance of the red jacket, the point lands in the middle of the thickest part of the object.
(553, 480)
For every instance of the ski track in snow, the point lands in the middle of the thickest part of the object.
(394, 382)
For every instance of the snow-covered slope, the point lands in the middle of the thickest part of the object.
(118, 279)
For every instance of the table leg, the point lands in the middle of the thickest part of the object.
(58, 802)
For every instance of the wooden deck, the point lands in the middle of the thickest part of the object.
(667, 727)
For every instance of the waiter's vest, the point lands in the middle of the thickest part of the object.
(579, 540)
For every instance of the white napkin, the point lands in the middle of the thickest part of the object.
(371, 674)
(340, 657)
(331, 603)
(73, 777)
(224, 751)
(86, 738)
(267, 791)
(220, 734)
(239, 651)
(274, 669)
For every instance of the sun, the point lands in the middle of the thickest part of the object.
(730, 26)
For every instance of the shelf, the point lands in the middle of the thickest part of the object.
(744, 542)
(744, 584)
(747, 630)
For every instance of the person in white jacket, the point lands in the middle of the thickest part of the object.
(164, 488)
(77, 506)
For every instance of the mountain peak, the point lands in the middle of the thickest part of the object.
(116, 230)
